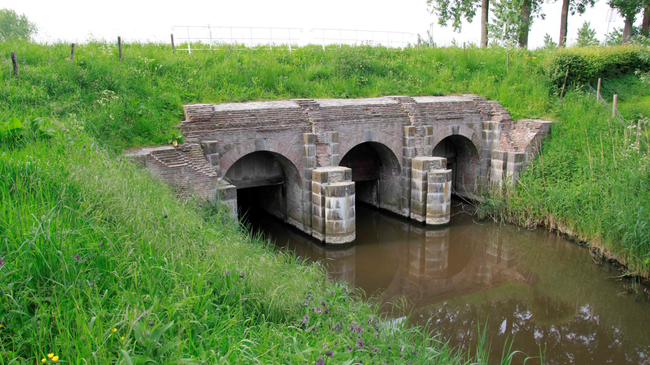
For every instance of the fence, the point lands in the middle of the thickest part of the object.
(209, 38)
(357, 37)
(205, 38)
(641, 137)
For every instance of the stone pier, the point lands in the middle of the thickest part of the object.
(333, 210)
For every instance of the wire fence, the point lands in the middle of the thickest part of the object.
(192, 38)
(211, 38)
(627, 124)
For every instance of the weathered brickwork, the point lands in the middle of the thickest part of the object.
(286, 144)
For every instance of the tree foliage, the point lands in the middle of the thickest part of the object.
(628, 10)
(587, 36)
(458, 10)
(14, 26)
(508, 26)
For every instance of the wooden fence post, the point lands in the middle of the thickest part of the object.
(119, 45)
(15, 63)
(72, 52)
(614, 106)
(600, 81)
(173, 47)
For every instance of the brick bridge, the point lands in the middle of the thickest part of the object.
(307, 161)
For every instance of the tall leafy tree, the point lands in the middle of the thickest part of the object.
(645, 25)
(459, 10)
(573, 7)
(14, 26)
(513, 19)
(628, 10)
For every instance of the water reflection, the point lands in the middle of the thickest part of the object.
(530, 287)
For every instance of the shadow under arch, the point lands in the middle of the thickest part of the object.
(376, 173)
(270, 182)
(463, 160)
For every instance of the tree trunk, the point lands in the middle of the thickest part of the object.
(627, 31)
(563, 23)
(526, 8)
(485, 11)
(645, 26)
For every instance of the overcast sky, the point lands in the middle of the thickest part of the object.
(135, 20)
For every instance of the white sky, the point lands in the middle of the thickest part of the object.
(136, 20)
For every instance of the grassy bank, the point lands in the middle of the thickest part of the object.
(101, 263)
(592, 179)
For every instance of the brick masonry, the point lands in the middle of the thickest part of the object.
(235, 145)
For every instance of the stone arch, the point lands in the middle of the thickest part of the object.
(463, 158)
(390, 142)
(460, 130)
(267, 179)
(376, 172)
(289, 151)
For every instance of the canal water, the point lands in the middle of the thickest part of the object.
(532, 289)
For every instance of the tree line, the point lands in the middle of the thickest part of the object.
(512, 19)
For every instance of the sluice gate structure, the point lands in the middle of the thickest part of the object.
(307, 161)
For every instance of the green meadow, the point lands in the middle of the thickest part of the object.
(100, 263)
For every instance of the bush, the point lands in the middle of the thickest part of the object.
(588, 64)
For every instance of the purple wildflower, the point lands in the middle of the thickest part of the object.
(2, 261)
(242, 275)
(345, 290)
(323, 304)
(101, 243)
(320, 361)
(152, 323)
(306, 303)
(165, 216)
(329, 353)
(401, 348)
(327, 311)
(317, 310)
(76, 256)
(361, 343)
(305, 318)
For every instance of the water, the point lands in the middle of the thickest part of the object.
(533, 289)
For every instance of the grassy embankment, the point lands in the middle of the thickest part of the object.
(64, 293)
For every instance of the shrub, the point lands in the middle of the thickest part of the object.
(588, 64)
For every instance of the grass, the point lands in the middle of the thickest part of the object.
(100, 263)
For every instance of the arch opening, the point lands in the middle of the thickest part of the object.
(463, 161)
(375, 171)
(267, 182)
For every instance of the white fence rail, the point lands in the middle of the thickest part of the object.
(205, 38)
(356, 37)
(209, 38)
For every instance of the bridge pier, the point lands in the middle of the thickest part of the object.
(430, 190)
(333, 210)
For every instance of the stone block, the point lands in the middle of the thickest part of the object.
(209, 147)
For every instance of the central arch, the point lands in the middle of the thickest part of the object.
(463, 161)
(270, 182)
(376, 173)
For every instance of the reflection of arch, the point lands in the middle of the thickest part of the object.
(376, 171)
(269, 181)
(463, 159)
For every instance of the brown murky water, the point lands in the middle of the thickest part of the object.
(531, 288)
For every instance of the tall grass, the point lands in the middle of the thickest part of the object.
(138, 101)
(102, 264)
(99, 263)
(592, 180)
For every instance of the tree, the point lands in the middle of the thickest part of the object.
(457, 10)
(512, 20)
(628, 10)
(645, 25)
(587, 36)
(13, 26)
(573, 7)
